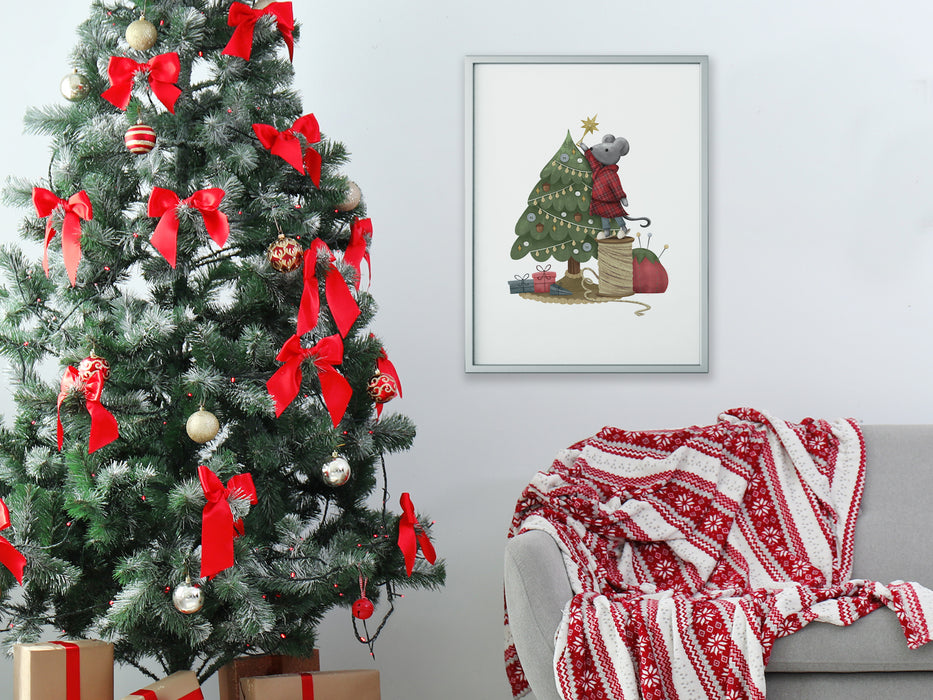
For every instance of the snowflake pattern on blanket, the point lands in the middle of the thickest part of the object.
(691, 551)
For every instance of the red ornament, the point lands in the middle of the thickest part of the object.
(140, 139)
(92, 364)
(382, 387)
(284, 254)
(363, 608)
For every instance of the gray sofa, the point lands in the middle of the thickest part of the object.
(867, 660)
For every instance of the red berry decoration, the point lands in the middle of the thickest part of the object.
(140, 139)
(92, 364)
(363, 608)
(382, 388)
(284, 254)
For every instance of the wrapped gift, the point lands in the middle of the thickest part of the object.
(179, 686)
(543, 279)
(52, 670)
(230, 675)
(521, 284)
(558, 291)
(323, 685)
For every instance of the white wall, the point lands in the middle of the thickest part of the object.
(821, 241)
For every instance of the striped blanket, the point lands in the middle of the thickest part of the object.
(691, 551)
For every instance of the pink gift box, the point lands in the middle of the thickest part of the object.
(543, 279)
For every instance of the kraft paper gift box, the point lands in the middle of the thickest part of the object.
(60, 670)
(323, 685)
(230, 675)
(179, 686)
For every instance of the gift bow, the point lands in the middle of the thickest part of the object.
(284, 385)
(10, 557)
(343, 306)
(244, 18)
(104, 428)
(165, 203)
(384, 366)
(286, 145)
(163, 70)
(217, 526)
(411, 535)
(357, 251)
(76, 207)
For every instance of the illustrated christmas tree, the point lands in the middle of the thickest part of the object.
(196, 468)
(557, 223)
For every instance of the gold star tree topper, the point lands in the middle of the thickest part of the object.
(589, 126)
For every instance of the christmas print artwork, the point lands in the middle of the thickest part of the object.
(587, 237)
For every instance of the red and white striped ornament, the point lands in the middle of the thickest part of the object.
(140, 138)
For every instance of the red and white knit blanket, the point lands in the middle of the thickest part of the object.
(691, 551)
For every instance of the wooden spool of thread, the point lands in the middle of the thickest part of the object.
(615, 267)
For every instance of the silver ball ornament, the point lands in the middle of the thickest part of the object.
(141, 34)
(187, 598)
(202, 426)
(336, 472)
(75, 87)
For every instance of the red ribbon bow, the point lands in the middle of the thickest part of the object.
(104, 428)
(10, 556)
(76, 208)
(343, 306)
(411, 535)
(244, 18)
(357, 250)
(217, 526)
(287, 146)
(165, 203)
(163, 70)
(284, 385)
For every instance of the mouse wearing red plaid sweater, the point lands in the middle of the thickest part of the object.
(608, 198)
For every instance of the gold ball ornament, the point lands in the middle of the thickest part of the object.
(353, 198)
(187, 598)
(90, 365)
(336, 472)
(74, 87)
(141, 34)
(202, 426)
(284, 254)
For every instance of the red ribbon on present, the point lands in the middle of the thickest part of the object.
(343, 306)
(357, 250)
(104, 428)
(218, 528)
(286, 145)
(411, 535)
(244, 18)
(145, 694)
(76, 208)
(165, 203)
(284, 385)
(72, 670)
(163, 70)
(10, 556)
(307, 686)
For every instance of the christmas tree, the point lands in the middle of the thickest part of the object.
(557, 223)
(195, 463)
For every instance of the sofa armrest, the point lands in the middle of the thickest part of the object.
(536, 590)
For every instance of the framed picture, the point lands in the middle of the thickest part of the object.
(587, 235)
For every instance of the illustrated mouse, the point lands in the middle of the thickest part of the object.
(609, 199)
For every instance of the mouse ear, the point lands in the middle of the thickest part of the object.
(608, 138)
(624, 150)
